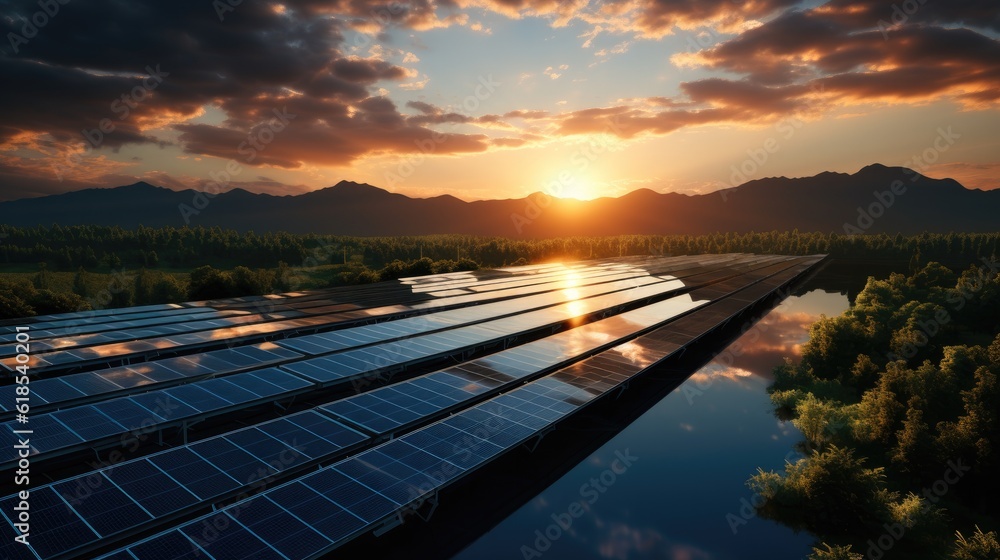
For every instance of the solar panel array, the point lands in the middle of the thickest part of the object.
(392, 392)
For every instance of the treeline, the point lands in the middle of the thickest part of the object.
(113, 248)
(900, 407)
(39, 295)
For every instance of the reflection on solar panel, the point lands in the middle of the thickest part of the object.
(534, 345)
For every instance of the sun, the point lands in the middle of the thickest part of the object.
(580, 188)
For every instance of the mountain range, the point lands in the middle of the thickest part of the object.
(875, 199)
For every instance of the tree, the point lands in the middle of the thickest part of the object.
(81, 283)
(209, 283)
(834, 553)
(42, 279)
(980, 546)
(168, 290)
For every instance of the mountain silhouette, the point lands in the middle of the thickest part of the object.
(876, 199)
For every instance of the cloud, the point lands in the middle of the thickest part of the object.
(773, 58)
(985, 176)
(256, 60)
(555, 72)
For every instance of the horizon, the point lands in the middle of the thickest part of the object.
(492, 100)
(177, 188)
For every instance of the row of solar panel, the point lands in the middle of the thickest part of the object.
(81, 512)
(80, 427)
(60, 391)
(55, 392)
(314, 514)
(203, 486)
(72, 349)
(388, 409)
(79, 326)
(337, 368)
(135, 521)
(75, 326)
(654, 313)
(103, 317)
(318, 512)
(86, 386)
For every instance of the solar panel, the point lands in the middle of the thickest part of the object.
(106, 508)
(48, 433)
(285, 532)
(199, 476)
(50, 390)
(356, 498)
(55, 526)
(236, 542)
(172, 545)
(327, 517)
(197, 398)
(128, 413)
(89, 422)
(380, 481)
(154, 490)
(234, 458)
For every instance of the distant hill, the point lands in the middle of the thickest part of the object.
(828, 202)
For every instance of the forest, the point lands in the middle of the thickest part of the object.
(58, 269)
(898, 401)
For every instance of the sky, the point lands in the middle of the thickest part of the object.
(485, 99)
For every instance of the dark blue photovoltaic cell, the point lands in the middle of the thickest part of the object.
(319, 512)
(128, 413)
(283, 379)
(225, 389)
(151, 487)
(51, 390)
(121, 555)
(49, 433)
(91, 384)
(300, 444)
(281, 529)
(9, 548)
(163, 405)
(330, 430)
(198, 398)
(264, 447)
(55, 527)
(172, 545)
(232, 460)
(360, 500)
(255, 384)
(198, 476)
(124, 377)
(234, 543)
(105, 507)
(89, 422)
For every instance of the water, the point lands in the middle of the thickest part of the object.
(678, 489)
